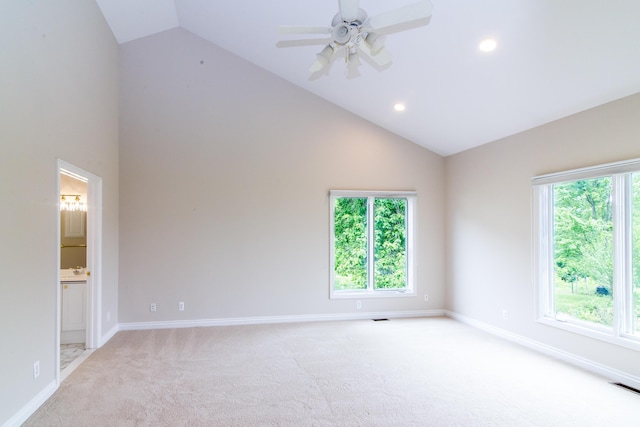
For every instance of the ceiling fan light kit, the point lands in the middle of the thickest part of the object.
(323, 58)
(352, 30)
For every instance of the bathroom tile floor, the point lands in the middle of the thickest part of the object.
(68, 353)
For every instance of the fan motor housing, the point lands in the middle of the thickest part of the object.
(344, 31)
(362, 16)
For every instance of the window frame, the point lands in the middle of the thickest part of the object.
(410, 239)
(621, 173)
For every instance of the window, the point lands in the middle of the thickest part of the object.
(587, 251)
(372, 243)
(635, 251)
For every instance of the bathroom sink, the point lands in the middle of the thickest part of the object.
(74, 278)
(68, 276)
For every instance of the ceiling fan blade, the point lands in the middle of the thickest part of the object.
(374, 42)
(348, 9)
(382, 57)
(303, 42)
(301, 29)
(401, 15)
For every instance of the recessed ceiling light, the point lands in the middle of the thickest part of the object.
(487, 45)
(399, 106)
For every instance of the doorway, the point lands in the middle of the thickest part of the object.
(78, 279)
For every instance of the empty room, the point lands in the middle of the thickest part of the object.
(346, 213)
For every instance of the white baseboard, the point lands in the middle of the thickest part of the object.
(589, 365)
(170, 324)
(27, 410)
(106, 337)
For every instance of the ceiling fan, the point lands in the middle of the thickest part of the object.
(354, 31)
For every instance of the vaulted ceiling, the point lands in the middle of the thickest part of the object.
(553, 58)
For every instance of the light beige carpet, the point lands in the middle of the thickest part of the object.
(402, 372)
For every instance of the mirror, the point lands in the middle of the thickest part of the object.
(73, 225)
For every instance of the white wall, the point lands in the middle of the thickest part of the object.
(225, 173)
(59, 99)
(489, 245)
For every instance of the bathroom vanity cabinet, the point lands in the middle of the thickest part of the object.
(73, 313)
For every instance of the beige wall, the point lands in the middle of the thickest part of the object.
(489, 246)
(59, 100)
(227, 171)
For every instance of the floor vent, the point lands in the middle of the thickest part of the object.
(379, 320)
(635, 390)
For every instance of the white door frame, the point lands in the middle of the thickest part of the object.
(94, 258)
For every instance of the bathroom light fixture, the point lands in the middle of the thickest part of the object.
(399, 107)
(66, 204)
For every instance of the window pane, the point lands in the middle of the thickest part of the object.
(350, 231)
(583, 250)
(635, 234)
(390, 243)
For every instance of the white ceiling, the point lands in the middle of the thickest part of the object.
(554, 58)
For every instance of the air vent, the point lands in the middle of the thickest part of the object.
(626, 387)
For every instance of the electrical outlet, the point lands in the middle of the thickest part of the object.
(505, 315)
(358, 305)
(426, 297)
(152, 306)
(108, 316)
(36, 369)
(181, 306)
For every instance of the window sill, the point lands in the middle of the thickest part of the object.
(371, 294)
(596, 332)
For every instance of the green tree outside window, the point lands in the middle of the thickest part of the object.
(583, 250)
(353, 217)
